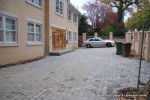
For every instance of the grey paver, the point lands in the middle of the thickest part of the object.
(85, 74)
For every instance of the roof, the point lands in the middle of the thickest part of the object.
(71, 7)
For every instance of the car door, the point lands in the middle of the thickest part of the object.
(92, 42)
(98, 43)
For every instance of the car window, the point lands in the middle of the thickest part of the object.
(97, 40)
(91, 40)
(100, 39)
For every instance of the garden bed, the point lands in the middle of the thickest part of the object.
(130, 93)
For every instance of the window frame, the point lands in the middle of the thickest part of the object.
(69, 36)
(34, 33)
(69, 15)
(59, 7)
(75, 37)
(34, 3)
(4, 29)
(74, 18)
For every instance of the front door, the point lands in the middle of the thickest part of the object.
(59, 39)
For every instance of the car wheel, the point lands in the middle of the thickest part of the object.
(88, 46)
(108, 44)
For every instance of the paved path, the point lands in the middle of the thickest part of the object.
(85, 74)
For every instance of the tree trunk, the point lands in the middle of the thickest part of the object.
(121, 19)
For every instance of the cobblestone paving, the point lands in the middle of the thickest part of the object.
(85, 74)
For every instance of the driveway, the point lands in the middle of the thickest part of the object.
(85, 74)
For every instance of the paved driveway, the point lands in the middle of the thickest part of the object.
(85, 74)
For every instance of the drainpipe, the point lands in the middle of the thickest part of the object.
(46, 12)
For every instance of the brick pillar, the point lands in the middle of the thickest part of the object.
(111, 35)
(84, 36)
(134, 40)
(139, 42)
(128, 37)
(95, 34)
(147, 46)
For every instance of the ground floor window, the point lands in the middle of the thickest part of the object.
(34, 32)
(8, 33)
(75, 37)
(69, 36)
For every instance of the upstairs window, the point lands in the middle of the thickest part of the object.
(8, 33)
(36, 2)
(59, 7)
(69, 15)
(74, 18)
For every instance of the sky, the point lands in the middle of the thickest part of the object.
(79, 3)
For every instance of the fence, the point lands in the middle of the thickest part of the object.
(111, 37)
(136, 39)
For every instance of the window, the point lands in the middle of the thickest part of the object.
(75, 18)
(69, 36)
(34, 32)
(36, 2)
(59, 7)
(69, 14)
(7, 29)
(92, 40)
(75, 37)
(97, 40)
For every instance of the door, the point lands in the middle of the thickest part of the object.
(98, 43)
(92, 42)
(58, 39)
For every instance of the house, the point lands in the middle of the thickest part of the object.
(31, 29)
(22, 30)
(63, 26)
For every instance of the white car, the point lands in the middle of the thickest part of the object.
(98, 42)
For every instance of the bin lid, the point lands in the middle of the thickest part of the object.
(126, 43)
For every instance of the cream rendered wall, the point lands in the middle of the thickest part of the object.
(73, 27)
(61, 22)
(22, 51)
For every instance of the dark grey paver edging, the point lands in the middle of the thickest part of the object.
(21, 62)
(59, 53)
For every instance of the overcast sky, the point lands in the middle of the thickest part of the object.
(79, 3)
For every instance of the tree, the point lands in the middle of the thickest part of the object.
(83, 24)
(139, 18)
(99, 14)
(111, 25)
(122, 6)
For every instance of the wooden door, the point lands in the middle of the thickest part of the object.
(59, 39)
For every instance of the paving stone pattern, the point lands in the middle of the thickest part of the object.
(85, 74)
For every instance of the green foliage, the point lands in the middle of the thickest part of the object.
(122, 6)
(139, 18)
(83, 24)
(90, 33)
(111, 28)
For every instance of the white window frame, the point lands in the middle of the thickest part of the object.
(59, 7)
(4, 30)
(69, 15)
(34, 3)
(69, 36)
(75, 37)
(34, 42)
(74, 18)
